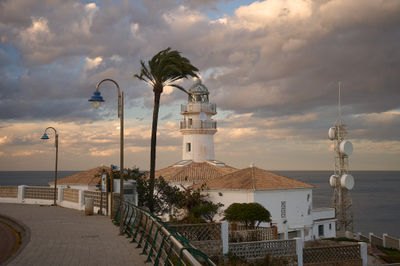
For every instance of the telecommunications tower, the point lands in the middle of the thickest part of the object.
(341, 181)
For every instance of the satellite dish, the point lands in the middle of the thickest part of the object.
(333, 180)
(347, 181)
(346, 147)
(332, 133)
(203, 116)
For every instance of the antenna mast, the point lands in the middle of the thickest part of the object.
(341, 181)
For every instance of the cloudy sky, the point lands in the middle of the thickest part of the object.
(272, 67)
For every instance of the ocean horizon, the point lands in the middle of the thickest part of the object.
(376, 203)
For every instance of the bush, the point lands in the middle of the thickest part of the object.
(247, 213)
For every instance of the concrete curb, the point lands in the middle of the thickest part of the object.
(23, 231)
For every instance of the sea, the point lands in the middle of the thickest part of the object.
(376, 194)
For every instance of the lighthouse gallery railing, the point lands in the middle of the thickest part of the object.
(198, 124)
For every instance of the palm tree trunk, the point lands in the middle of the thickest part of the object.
(153, 144)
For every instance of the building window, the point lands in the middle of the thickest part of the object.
(308, 197)
(190, 122)
(188, 147)
(330, 226)
(321, 230)
(283, 209)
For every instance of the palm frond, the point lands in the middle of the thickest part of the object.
(166, 66)
(180, 88)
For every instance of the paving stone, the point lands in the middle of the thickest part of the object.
(61, 236)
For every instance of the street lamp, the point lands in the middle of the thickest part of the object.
(96, 100)
(46, 137)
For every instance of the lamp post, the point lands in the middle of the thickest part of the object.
(96, 100)
(46, 137)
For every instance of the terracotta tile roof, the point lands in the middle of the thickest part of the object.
(90, 177)
(194, 172)
(253, 178)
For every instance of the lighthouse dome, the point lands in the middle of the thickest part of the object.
(198, 92)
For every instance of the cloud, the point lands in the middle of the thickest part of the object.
(37, 32)
(3, 140)
(92, 63)
(25, 153)
(272, 13)
(272, 65)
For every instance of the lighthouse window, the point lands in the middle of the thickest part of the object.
(190, 121)
(188, 147)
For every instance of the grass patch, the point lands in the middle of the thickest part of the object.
(391, 255)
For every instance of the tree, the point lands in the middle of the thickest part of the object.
(247, 213)
(162, 70)
(198, 207)
(166, 198)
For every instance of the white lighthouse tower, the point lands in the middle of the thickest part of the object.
(197, 126)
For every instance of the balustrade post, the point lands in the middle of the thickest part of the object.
(60, 194)
(21, 193)
(384, 239)
(370, 237)
(81, 199)
(225, 237)
(299, 251)
(363, 253)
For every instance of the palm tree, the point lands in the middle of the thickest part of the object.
(162, 70)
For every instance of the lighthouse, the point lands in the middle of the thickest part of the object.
(198, 127)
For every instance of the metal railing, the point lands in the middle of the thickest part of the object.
(198, 124)
(203, 107)
(161, 244)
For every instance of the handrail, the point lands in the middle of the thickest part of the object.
(148, 227)
(199, 107)
(198, 124)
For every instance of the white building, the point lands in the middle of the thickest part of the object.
(90, 180)
(289, 201)
(86, 180)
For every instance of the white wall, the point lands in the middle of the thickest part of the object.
(298, 206)
(323, 213)
(326, 218)
(202, 147)
(329, 229)
(82, 187)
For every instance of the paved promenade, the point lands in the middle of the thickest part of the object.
(61, 236)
